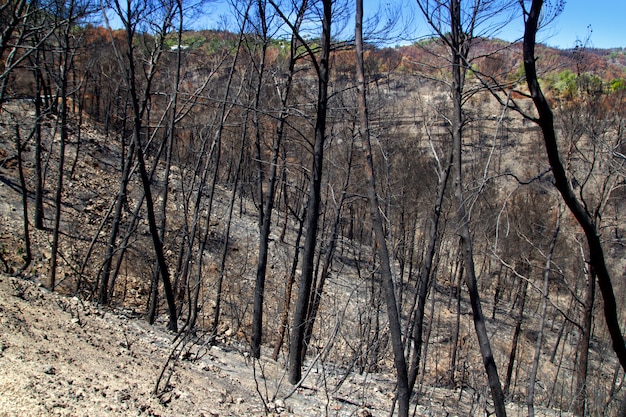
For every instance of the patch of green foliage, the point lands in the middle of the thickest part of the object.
(569, 85)
(617, 85)
(565, 84)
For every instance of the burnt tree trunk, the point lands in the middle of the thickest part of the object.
(459, 51)
(562, 183)
(322, 65)
(403, 394)
(525, 272)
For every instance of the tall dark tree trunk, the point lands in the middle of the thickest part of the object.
(131, 227)
(28, 256)
(171, 134)
(546, 123)
(310, 240)
(139, 106)
(402, 379)
(265, 227)
(265, 205)
(459, 51)
(65, 63)
(154, 232)
(39, 210)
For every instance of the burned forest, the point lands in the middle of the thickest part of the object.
(291, 217)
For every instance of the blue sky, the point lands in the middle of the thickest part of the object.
(598, 23)
(606, 19)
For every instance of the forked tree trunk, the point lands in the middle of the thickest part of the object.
(310, 241)
(139, 105)
(171, 134)
(154, 232)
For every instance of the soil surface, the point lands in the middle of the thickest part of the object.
(60, 356)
